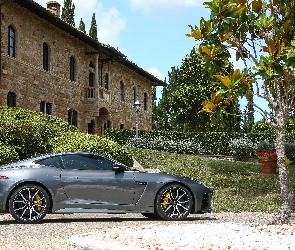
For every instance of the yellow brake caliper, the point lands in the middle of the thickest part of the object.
(166, 200)
(38, 198)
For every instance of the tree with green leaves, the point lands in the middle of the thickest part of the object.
(261, 32)
(154, 108)
(93, 28)
(249, 113)
(68, 12)
(188, 87)
(82, 26)
(162, 115)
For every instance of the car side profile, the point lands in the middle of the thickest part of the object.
(81, 182)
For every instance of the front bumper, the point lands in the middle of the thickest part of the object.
(206, 204)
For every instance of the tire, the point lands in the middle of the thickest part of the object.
(174, 202)
(29, 204)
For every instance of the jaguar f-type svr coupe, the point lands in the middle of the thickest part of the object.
(80, 182)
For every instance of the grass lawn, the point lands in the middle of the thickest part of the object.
(238, 186)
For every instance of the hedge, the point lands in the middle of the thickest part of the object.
(29, 131)
(238, 145)
(91, 143)
(25, 132)
(7, 155)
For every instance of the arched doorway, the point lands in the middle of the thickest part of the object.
(103, 120)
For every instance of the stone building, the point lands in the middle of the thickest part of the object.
(52, 67)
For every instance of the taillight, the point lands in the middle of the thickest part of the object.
(3, 177)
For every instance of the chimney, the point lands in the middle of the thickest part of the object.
(54, 7)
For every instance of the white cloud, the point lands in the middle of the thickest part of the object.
(148, 6)
(156, 72)
(109, 21)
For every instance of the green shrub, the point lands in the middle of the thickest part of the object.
(89, 143)
(7, 155)
(29, 131)
(290, 151)
(262, 127)
(239, 145)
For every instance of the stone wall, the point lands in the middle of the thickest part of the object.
(24, 75)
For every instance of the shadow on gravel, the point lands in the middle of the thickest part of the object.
(48, 220)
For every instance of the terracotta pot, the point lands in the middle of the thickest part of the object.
(269, 165)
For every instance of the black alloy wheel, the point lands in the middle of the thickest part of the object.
(29, 204)
(174, 202)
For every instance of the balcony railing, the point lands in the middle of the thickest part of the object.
(97, 93)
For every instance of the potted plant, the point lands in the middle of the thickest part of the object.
(267, 157)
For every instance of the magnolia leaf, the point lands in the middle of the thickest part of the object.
(257, 6)
(280, 46)
(211, 107)
(271, 47)
(207, 25)
(218, 77)
(224, 38)
(264, 49)
(197, 34)
(218, 99)
(206, 50)
(208, 107)
(226, 81)
(287, 25)
(243, 2)
(236, 73)
(239, 9)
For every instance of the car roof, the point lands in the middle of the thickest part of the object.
(44, 156)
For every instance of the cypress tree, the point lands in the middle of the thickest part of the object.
(68, 12)
(82, 26)
(93, 28)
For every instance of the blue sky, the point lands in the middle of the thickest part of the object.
(151, 33)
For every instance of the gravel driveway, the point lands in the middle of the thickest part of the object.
(58, 231)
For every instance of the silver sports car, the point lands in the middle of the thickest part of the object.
(79, 182)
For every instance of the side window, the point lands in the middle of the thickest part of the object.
(72, 69)
(91, 79)
(45, 57)
(42, 106)
(145, 101)
(11, 41)
(121, 91)
(86, 162)
(134, 95)
(73, 117)
(46, 107)
(11, 99)
(52, 161)
(106, 81)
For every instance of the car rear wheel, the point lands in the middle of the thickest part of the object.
(173, 202)
(29, 204)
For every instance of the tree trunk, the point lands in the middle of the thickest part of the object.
(283, 214)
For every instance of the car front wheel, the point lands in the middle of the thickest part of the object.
(173, 202)
(29, 204)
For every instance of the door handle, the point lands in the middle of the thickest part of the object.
(140, 182)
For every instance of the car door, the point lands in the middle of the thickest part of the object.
(51, 179)
(90, 182)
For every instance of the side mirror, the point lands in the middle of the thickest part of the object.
(118, 168)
